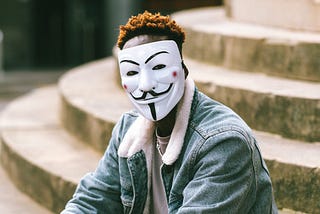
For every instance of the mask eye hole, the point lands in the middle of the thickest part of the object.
(158, 67)
(132, 73)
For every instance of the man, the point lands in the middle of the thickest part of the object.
(180, 151)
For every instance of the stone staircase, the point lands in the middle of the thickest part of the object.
(54, 135)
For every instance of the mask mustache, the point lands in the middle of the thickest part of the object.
(153, 93)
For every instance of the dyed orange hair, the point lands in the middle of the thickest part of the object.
(151, 24)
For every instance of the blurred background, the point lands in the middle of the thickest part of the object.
(57, 33)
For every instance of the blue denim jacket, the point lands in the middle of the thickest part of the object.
(218, 170)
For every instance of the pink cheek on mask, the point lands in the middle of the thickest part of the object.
(125, 87)
(174, 74)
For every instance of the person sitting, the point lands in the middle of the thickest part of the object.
(178, 151)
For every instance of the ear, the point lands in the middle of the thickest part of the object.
(186, 71)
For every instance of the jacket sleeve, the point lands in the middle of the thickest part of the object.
(99, 191)
(222, 176)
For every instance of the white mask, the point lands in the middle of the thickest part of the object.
(153, 77)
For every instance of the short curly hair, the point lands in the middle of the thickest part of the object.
(151, 24)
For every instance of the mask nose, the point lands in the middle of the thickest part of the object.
(146, 82)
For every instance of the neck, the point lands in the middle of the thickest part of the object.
(165, 125)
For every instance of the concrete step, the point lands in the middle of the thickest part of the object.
(95, 107)
(23, 80)
(215, 39)
(281, 106)
(92, 101)
(40, 157)
(295, 171)
(15, 202)
(295, 14)
(18, 82)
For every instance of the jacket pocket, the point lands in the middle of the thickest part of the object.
(126, 209)
(127, 206)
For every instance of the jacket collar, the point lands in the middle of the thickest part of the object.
(141, 133)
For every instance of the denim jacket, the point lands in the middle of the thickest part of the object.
(212, 165)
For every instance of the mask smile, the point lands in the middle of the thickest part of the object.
(154, 94)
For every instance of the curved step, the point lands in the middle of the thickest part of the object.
(213, 38)
(41, 158)
(295, 14)
(295, 171)
(92, 102)
(286, 107)
(13, 201)
(100, 104)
